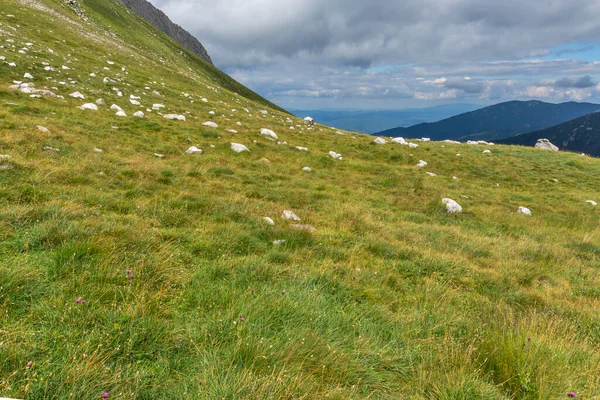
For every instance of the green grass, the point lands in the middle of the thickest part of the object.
(390, 298)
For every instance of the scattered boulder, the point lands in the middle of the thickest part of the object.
(43, 129)
(278, 242)
(380, 141)
(421, 164)
(232, 131)
(487, 152)
(210, 124)
(100, 102)
(115, 107)
(592, 202)
(306, 169)
(545, 144)
(97, 150)
(77, 95)
(269, 133)
(301, 148)
(269, 221)
(413, 145)
(264, 160)
(525, 211)
(135, 102)
(138, 114)
(335, 155)
(400, 140)
(304, 228)
(157, 107)
(308, 121)
(238, 148)
(89, 106)
(121, 114)
(28, 76)
(174, 116)
(452, 206)
(48, 148)
(289, 215)
(194, 150)
(431, 174)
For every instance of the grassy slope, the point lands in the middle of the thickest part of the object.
(390, 298)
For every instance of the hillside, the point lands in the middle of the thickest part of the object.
(580, 135)
(132, 269)
(497, 122)
(157, 18)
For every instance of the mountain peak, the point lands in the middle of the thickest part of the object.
(161, 21)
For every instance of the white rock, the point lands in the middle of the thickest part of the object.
(157, 107)
(100, 102)
(430, 174)
(159, 155)
(487, 152)
(264, 112)
(458, 155)
(238, 148)
(28, 76)
(301, 148)
(204, 100)
(421, 164)
(51, 149)
(93, 75)
(380, 141)
(287, 214)
(174, 116)
(455, 178)
(89, 106)
(43, 129)
(524, 210)
(135, 102)
(269, 133)
(115, 107)
(269, 221)
(413, 145)
(335, 155)
(194, 150)
(592, 202)
(77, 95)
(545, 145)
(278, 242)
(121, 114)
(264, 160)
(308, 121)
(132, 97)
(400, 140)
(232, 131)
(12, 64)
(97, 150)
(304, 228)
(211, 124)
(306, 169)
(4, 156)
(138, 114)
(452, 206)
(211, 112)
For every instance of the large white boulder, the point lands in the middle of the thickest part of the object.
(400, 140)
(413, 145)
(287, 214)
(138, 114)
(194, 150)
(115, 107)
(269, 133)
(121, 114)
(545, 145)
(308, 121)
(452, 206)
(238, 148)
(525, 211)
(335, 155)
(380, 141)
(210, 124)
(89, 106)
(174, 116)
(77, 95)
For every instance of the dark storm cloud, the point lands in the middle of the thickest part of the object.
(357, 32)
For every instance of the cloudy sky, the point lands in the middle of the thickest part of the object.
(399, 54)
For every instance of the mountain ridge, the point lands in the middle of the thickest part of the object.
(160, 20)
(497, 121)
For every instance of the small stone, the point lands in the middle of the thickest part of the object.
(421, 164)
(380, 141)
(138, 114)
(211, 124)
(121, 114)
(289, 215)
(238, 148)
(43, 129)
(592, 202)
(525, 211)
(77, 95)
(452, 206)
(89, 106)
(269, 221)
(269, 133)
(306, 169)
(194, 150)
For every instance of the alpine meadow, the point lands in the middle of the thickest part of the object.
(136, 261)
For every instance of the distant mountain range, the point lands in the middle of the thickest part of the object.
(497, 122)
(579, 135)
(370, 121)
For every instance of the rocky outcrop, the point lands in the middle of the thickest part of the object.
(160, 20)
(546, 145)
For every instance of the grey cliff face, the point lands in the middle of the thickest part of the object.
(160, 20)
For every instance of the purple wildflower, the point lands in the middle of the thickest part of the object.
(283, 292)
(78, 300)
(571, 394)
(83, 301)
(105, 395)
(242, 319)
(29, 364)
(128, 271)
